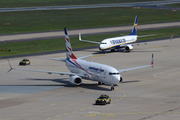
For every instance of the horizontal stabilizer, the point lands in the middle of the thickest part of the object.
(147, 35)
(53, 58)
(84, 57)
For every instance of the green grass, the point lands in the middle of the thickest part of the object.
(32, 3)
(38, 46)
(174, 5)
(37, 21)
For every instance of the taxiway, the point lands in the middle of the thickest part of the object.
(148, 93)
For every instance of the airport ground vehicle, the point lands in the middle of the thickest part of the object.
(24, 62)
(103, 99)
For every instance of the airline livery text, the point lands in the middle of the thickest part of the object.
(118, 41)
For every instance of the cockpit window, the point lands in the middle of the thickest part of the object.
(103, 43)
(113, 73)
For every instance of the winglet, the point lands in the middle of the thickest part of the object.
(171, 37)
(87, 40)
(10, 66)
(80, 36)
(152, 61)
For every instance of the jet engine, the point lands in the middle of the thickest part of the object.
(121, 79)
(128, 48)
(76, 80)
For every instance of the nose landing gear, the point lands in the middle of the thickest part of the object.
(112, 88)
(104, 51)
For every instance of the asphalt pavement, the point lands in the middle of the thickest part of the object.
(152, 4)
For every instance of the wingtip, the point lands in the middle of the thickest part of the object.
(80, 36)
(171, 37)
(152, 61)
(9, 70)
(9, 66)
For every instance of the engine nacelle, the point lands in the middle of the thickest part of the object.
(128, 47)
(76, 80)
(121, 79)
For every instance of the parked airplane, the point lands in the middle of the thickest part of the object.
(82, 69)
(126, 41)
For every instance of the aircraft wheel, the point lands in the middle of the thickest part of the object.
(112, 50)
(112, 88)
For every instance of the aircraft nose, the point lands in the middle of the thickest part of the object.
(116, 78)
(100, 47)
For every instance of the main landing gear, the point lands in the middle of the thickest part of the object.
(127, 51)
(112, 50)
(100, 83)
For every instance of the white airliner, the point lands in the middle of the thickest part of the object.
(82, 69)
(126, 41)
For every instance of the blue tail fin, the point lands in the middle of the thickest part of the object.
(134, 30)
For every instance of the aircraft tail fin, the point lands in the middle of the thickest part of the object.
(134, 30)
(69, 51)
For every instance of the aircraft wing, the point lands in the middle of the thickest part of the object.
(87, 40)
(134, 68)
(152, 41)
(145, 43)
(128, 69)
(49, 72)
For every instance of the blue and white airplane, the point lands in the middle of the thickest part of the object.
(126, 41)
(82, 69)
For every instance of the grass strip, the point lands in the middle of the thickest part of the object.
(37, 46)
(33, 3)
(174, 5)
(38, 21)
